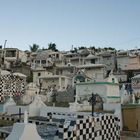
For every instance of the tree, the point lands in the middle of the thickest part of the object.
(92, 48)
(75, 49)
(30, 78)
(110, 48)
(52, 46)
(34, 47)
(82, 47)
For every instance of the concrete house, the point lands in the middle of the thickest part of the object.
(93, 71)
(13, 56)
(73, 58)
(122, 60)
(109, 59)
(92, 59)
(56, 82)
(66, 70)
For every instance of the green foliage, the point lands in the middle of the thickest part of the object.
(52, 46)
(6, 123)
(109, 48)
(75, 49)
(34, 47)
(92, 47)
(30, 78)
(82, 47)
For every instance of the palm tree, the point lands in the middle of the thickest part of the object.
(34, 47)
(52, 46)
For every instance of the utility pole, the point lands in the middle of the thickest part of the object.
(5, 44)
(3, 53)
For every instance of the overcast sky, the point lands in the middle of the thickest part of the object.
(99, 23)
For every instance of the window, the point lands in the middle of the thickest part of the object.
(92, 61)
(38, 61)
(57, 55)
(43, 61)
(39, 74)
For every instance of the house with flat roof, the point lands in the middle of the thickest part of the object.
(55, 82)
(93, 71)
(122, 59)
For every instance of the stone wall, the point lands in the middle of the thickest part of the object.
(131, 117)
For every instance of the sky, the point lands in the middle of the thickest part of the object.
(99, 23)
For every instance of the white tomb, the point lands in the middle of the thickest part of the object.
(24, 131)
(35, 106)
(125, 97)
(8, 103)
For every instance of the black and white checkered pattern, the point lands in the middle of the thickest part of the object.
(105, 127)
(11, 85)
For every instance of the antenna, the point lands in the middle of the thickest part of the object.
(3, 54)
(4, 44)
(72, 47)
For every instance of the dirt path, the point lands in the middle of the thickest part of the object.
(129, 138)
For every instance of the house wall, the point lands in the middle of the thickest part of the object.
(97, 73)
(131, 119)
(108, 92)
(85, 90)
(50, 83)
(22, 56)
(134, 62)
(42, 73)
(65, 71)
(8, 55)
(88, 61)
(75, 62)
(123, 62)
(113, 93)
(109, 61)
(56, 83)
(121, 77)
